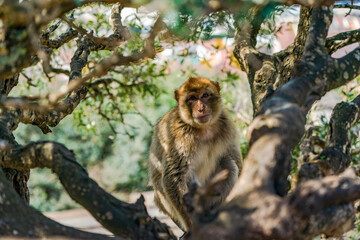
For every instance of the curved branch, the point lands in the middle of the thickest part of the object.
(335, 157)
(315, 195)
(53, 116)
(259, 67)
(116, 59)
(33, 225)
(282, 117)
(344, 69)
(341, 40)
(293, 53)
(262, 185)
(65, 37)
(122, 219)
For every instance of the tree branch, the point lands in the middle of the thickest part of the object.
(33, 225)
(47, 10)
(260, 192)
(341, 40)
(67, 106)
(65, 37)
(116, 59)
(104, 43)
(122, 219)
(351, 6)
(293, 52)
(309, 3)
(315, 195)
(336, 156)
(259, 67)
(344, 69)
(34, 15)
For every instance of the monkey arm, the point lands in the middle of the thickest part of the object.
(230, 163)
(174, 182)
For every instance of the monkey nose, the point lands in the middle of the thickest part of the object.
(201, 110)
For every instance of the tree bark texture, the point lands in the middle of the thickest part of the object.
(259, 206)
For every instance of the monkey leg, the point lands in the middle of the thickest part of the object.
(162, 203)
(174, 191)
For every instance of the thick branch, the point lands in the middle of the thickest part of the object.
(315, 195)
(18, 179)
(259, 67)
(336, 157)
(19, 220)
(293, 53)
(317, 207)
(122, 219)
(259, 192)
(332, 221)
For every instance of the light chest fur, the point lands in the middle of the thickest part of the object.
(206, 159)
(210, 149)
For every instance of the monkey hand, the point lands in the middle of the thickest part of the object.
(189, 196)
(212, 201)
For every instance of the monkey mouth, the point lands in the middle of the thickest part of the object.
(203, 118)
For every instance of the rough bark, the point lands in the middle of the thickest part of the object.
(123, 219)
(341, 40)
(335, 157)
(259, 203)
(267, 73)
(127, 220)
(292, 54)
(34, 225)
(259, 67)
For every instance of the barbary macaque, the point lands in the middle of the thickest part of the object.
(192, 143)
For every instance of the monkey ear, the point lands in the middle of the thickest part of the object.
(176, 95)
(217, 85)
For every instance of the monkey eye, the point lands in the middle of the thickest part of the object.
(205, 95)
(192, 98)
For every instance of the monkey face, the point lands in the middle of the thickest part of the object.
(199, 104)
(199, 101)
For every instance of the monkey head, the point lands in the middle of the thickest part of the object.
(199, 101)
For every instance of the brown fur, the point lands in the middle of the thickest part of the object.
(185, 150)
